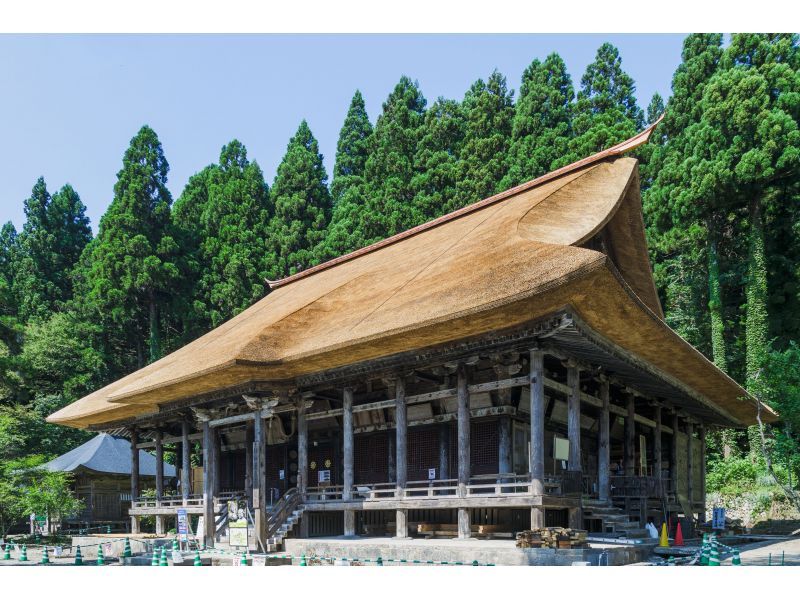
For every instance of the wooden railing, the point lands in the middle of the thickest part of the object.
(567, 483)
(170, 501)
(640, 487)
(287, 504)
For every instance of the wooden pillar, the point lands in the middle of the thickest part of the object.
(464, 461)
(702, 465)
(504, 444)
(444, 451)
(347, 442)
(630, 436)
(216, 458)
(347, 450)
(186, 463)
(401, 439)
(249, 458)
(401, 523)
(302, 449)
(134, 477)
(673, 454)
(159, 480)
(604, 445)
(690, 464)
(537, 433)
(208, 485)
(574, 417)
(657, 451)
(464, 529)
(391, 470)
(259, 479)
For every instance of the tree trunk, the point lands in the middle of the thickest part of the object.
(757, 323)
(727, 438)
(155, 340)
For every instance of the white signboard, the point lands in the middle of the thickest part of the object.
(324, 476)
(199, 533)
(432, 473)
(560, 449)
(259, 560)
(237, 533)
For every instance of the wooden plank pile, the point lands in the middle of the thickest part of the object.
(552, 537)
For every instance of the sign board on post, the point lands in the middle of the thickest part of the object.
(183, 525)
(324, 476)
(560, 449)
(282, 474)
(237, 533)
(432, 473)
(718, 518)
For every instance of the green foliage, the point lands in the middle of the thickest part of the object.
(732, 476)
(132, 263)
(606, 111)
(302, 204)
(542, 125)
(223, 217)
(488, 113)
(389, 169)
(437, 158)
(55, 232)
(47, 493)
(348, 191)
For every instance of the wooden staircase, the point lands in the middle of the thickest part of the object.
(614, 520)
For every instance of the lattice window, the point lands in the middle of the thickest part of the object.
(371, 458)
(423, 451)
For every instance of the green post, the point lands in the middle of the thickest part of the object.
(303, 562)
(475, 563)
(24, 554)
(108, 529)
(127, 551)
(100, 559)
(163, 560)
(713, 559)
(7, 552)
(45, 557)
(197, 561)
(154, 560)
(175, 546)
(243, 560)
(78, 556)
(379, 562)
(769, 561)
(737, 559)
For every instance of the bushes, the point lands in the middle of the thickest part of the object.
(732, 476)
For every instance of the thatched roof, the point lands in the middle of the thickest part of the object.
(106, 454)
(501, 262)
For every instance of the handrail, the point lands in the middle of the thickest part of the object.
(285, 506)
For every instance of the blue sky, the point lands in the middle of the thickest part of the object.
(69, 104)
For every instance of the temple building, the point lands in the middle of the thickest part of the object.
(101, 474)
(503, 367)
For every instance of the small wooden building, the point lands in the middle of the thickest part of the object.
(102, 474)
(499, 368)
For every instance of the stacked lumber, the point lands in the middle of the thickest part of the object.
(552, 537)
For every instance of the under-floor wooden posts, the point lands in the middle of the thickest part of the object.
(464, 530)
(401, 521)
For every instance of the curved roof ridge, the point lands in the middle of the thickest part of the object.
(616, 150)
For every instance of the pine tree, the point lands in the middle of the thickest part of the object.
(54, 235)
(436, 159)
(390, 166)
(655, 108)
(302, 204)
(542, 124)
(235, 256)
(347, 189)
(489, 112)
(132, 263)
(606, 111)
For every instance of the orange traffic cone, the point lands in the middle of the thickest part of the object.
(678, 534)
(664, 540)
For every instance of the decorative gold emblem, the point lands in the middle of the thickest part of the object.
(327, 463)
(313, 465)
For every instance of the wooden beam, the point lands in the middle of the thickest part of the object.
(168, 440)
(574, 418)
(134, 476)
(347, 442)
